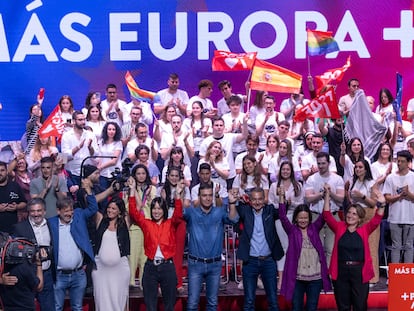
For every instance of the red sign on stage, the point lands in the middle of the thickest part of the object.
(401, 287)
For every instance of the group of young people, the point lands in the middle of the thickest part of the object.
(203, 167)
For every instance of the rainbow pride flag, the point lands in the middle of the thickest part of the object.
(321, 42)
(136, 92)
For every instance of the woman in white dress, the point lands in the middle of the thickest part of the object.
(112, 248)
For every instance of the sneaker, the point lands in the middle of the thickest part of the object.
(240, 285)
(260, 283)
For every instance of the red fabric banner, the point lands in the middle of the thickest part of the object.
(228, 61)
(53, 125)
(323, 106)
(332, 76)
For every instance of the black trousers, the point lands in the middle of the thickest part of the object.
(349, 290)
(164, 275)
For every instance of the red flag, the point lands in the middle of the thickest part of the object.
(323, 106)
(228, 61)
(332, 76)
(273, 78)
(53, 125)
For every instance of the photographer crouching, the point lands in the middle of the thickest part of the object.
(21, 276)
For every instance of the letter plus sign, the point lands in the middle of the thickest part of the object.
(405, 296)
(405, 34)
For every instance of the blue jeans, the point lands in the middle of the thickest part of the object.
(197, 273)
(312, 290)
(251, 271)
(46, 296)
(76, 283)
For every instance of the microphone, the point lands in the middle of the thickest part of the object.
(93, 157)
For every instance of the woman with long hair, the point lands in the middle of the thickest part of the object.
(385, 102)
(142, 153)
(257, 108)
(272, 149)
(351, 266)
(305, 270)
(294, 195)
(173, 184)
(92, 99)
(160, 247)
(200, 127)
(285, 154)
(18, 172)
(95, 120)
(146, 191)
(360, 192)
(163, 125)
(66, 110)
(349, 156)
(111, 248)
(220, 169)
(111, 146)
(32, 126)
(251, 177)
(176, 159)
(42, 148)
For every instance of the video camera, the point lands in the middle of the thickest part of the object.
(120, 176)
(16, 250)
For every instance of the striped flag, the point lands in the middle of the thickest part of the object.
(138, 93)
(272, 78)
(321, 42)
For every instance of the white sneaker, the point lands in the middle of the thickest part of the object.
(240, 285)
(260, 283)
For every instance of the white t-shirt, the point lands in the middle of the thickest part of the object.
(264, 184)
(401, 211)
(168, 139)
(166, 97)
(207, 103)
(228, 124)
(196, 130)
(315, 184)
(227, 142)
(215, 177)
(108, 150)
(310, 160)
(270, 127)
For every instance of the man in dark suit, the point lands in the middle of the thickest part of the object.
(36, 228)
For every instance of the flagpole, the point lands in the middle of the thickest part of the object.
(249, 92)
(309, 70)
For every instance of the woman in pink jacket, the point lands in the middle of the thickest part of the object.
(351, 264)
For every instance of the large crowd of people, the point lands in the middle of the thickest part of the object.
(129, 185)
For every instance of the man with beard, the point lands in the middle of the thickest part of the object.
(78, 144)
(205, 225)
(268, 122)
(36, 228)
(314, 196)
(11, 200)
(172, 96)
(49, 187)
(179, 138)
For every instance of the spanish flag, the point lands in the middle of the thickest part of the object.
(273, 78)
(321, 42)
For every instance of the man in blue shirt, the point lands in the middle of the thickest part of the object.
(259, 247)
(205, 225)
(72, 248)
